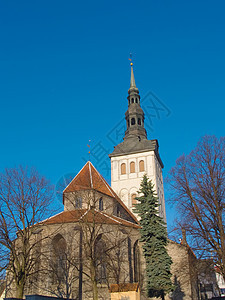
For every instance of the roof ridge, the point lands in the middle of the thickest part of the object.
(89, 165)
(126, 220)
(108, 216)
(85, 213)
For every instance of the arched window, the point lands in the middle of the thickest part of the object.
(100, 260)
(128, 123)
(133, 199)
(101, 204)
(132, 100)
(78, 202)
(141, 166)
(123, 168)
(132, 167)
(136, 254)
(136, 100)
(133, 121)
(58, 264)
(139, 121)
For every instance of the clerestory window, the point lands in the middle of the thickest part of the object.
(101, 204)
(78, 202)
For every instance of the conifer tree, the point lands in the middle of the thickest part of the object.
(154, 239)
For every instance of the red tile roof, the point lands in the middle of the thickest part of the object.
(90, 178)
(89, 216)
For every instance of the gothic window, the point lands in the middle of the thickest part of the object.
(132, 167)
(136, 100)
(133, 121)
(141, 166)
(139, 121)
(132, 100)
(136, 255)
(101, 204)
(100, 260)
(133, 200)
(123, 168)
(58, 264)
(78, 202)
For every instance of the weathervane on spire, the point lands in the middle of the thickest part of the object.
(130, 59)
(89, 150)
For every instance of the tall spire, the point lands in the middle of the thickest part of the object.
(135, 139)
(134, 114)
(132, 80)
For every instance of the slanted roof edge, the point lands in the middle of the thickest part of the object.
(74, 178)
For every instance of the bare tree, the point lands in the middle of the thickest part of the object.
(25, 197)
(103, 254)
(197, 187)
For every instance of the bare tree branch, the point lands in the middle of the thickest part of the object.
(197, 188)
(25, 197)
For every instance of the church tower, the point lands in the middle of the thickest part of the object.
(136, 156)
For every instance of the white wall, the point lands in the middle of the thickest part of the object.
(129, 183)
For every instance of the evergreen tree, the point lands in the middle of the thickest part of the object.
(154, 238)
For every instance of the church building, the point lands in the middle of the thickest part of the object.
(91, 250)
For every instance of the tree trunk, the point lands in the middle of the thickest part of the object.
(94, 281)
(20, 291)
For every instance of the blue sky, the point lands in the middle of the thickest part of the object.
(64, 76)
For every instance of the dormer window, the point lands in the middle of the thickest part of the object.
(101, 204)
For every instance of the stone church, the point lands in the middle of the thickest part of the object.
(91, 250)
